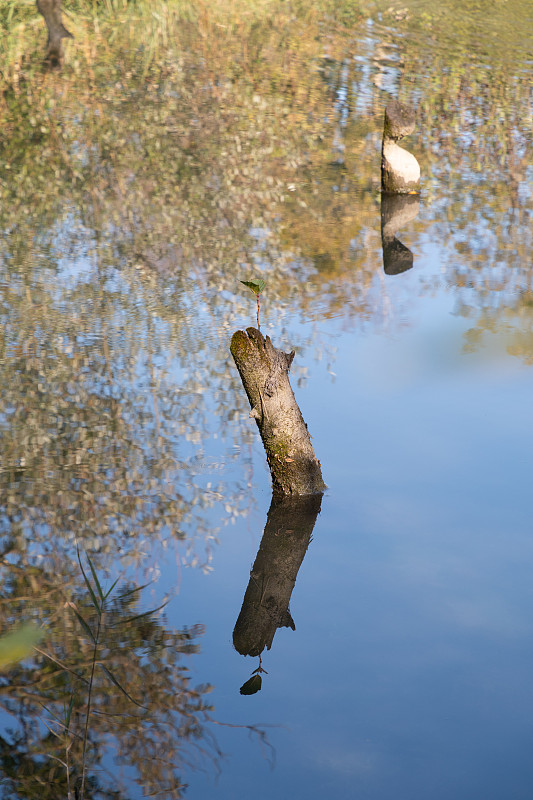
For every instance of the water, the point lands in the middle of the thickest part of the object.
(124, 428)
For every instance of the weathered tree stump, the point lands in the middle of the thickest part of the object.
(265, 607)
(51, 11)
(400, 172)
(264, 372)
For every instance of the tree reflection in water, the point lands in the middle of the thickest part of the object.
(131, 186)
(145, 713)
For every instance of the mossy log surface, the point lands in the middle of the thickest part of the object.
(265, 607)
(264, 372)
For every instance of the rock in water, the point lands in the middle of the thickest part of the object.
(400, 172)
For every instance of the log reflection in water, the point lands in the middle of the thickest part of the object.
(265, 607)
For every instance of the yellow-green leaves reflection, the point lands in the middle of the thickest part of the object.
(179, 149)
(18, 644)
(183, 147)
(107, 672)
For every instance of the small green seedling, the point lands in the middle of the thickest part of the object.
(256, 286)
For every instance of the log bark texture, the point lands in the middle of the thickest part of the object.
(264, 372)
(265, 607)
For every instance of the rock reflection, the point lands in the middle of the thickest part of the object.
(396, 212)
(265, 607)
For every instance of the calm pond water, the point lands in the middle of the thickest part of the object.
(125, 431)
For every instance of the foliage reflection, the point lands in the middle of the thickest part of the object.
(106, 687)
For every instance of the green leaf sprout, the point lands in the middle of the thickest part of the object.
(256, 286)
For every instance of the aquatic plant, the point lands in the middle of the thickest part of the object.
(256, 286)
(106, 672)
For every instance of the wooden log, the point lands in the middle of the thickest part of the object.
(264, 372)
(265, 607)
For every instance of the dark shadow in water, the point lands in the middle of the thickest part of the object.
(265, 607)
(396, 212)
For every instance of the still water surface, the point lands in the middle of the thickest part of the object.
(124, 428)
